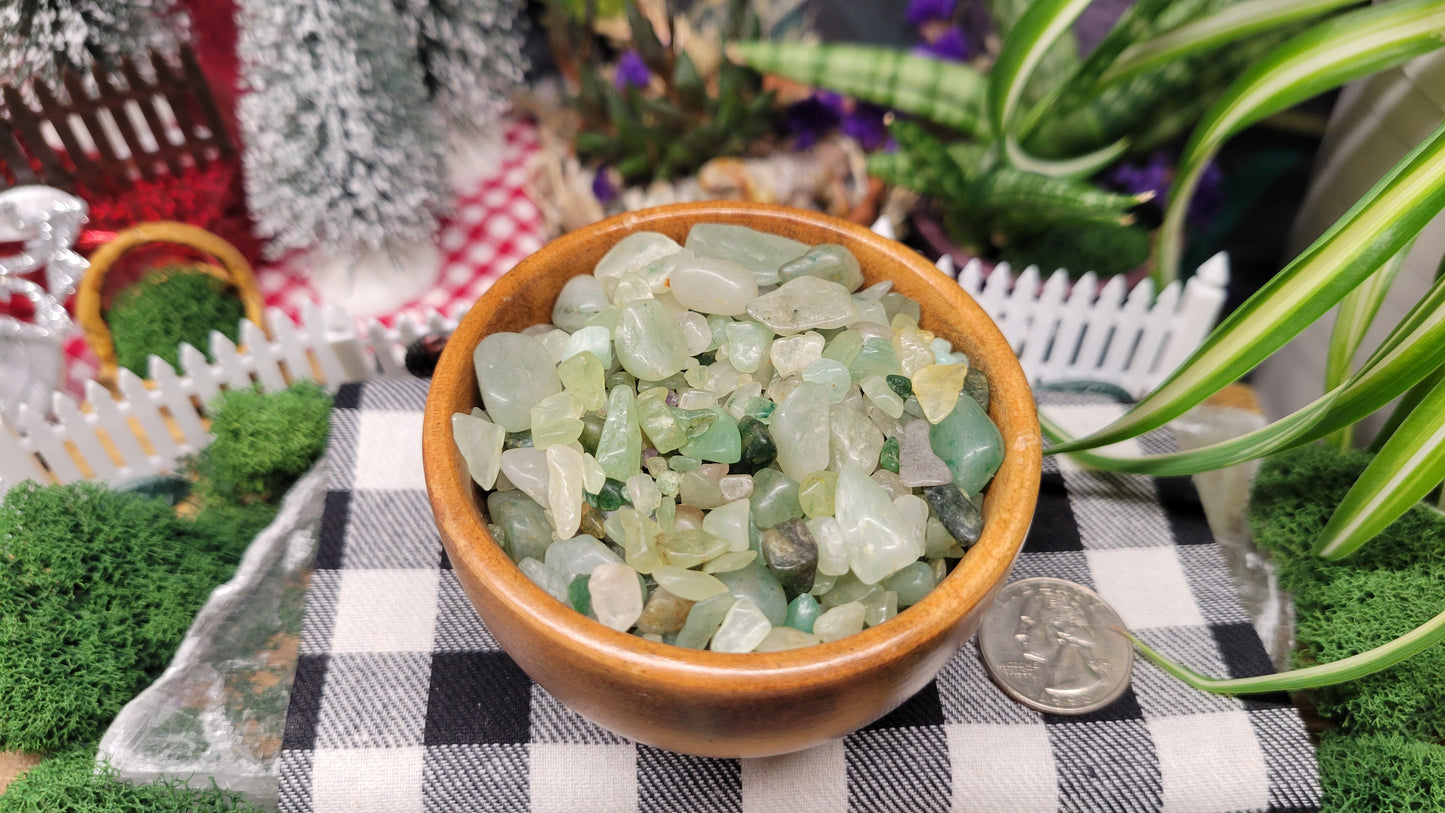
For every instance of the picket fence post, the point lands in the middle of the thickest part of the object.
(1062, 331)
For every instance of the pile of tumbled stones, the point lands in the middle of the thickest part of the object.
(729, 445)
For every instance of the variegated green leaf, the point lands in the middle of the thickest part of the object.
(1224, 26)
(1414, 349)
(1041, 25)
(1326, 674)
(1411, 463)
(1078, 167)
(1324, 57)
(1352, 320)
(949, 93)
(1067, 96)
(1374, 229)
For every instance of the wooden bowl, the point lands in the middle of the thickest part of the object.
(710, 703)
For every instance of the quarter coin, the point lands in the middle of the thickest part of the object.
(1055, 646)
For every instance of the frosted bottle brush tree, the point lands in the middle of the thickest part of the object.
(343, 150)
(41, 38)
(471, 53)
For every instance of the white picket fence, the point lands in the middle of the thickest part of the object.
(1061, 332)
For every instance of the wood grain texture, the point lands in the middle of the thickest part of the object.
(710, 703)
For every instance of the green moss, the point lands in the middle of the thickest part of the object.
(1385, 751)
(96, 590)
(1361, 610)
(168, 307)
(1381, 773)
(68, 783)
(1292, 499)
(262, 442)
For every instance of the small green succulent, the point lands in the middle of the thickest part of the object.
(659, 118)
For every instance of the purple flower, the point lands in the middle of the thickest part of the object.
(812, 118)
(949, 45)
(927, 11)
(1157, 175)
(602, 187)
(1154, 175)
(632, 72)
(865, 125)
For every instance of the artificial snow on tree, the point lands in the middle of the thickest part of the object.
(471, 51)
(41, 38)
(342, 150)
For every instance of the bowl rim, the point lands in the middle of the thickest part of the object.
(1008, 507)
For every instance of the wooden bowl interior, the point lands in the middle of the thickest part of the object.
(893, 660)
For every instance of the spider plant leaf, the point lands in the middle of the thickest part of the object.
(1352, 320)
(1231, 23)
(1080, 166)
(1407, 404)
(949, 93)
(1027, 43)
(1137, 21)
(1324, 674)
(1412, 353)
(1325, 56)
(1374, 229)
(1405, 469)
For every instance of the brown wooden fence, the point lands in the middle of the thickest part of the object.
(123, 130)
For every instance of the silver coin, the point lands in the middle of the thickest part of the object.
(1055, 646)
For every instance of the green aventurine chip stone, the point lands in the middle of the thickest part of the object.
(774, 498)
(888, 459)
(829, 261)
(900, 384)
(703, 620)
(975, 386)
(759, 252)
(757, 448)
(525, 529)
(612, 496)
(657, 421)
(721, 443)
(648, 341)
(875, 357)
(969, 443)
(802, 612)
(620, 448)
(579, 595)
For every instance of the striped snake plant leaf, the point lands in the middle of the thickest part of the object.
(1407, 467)
(1220, 28)
(1325, 674)
(1326, 56)
(1037, 29)
(1413, 351)
(969, 176)
(949, 93)
(1373, 230)
(1352, 320)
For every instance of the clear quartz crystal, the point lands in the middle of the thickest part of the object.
(616, 596)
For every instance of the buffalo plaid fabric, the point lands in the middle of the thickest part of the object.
(404, 702)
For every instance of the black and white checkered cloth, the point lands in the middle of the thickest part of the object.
(404, 702)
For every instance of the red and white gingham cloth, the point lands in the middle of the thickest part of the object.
(491, 228)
